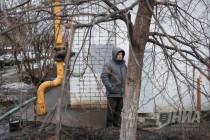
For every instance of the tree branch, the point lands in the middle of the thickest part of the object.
(104, 19)
(169, 39)
(171, 48)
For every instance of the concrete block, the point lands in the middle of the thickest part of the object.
(95, 106)
(103, 106)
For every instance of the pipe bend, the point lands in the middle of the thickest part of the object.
(47, 84)
(57, 81)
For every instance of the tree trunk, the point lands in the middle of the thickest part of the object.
(139, 39)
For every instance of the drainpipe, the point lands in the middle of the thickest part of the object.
(41, 105)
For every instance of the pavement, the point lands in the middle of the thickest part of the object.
(94, 118)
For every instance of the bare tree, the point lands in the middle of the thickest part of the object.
(21, 30)
(172, 29)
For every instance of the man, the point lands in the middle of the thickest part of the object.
(113, 77)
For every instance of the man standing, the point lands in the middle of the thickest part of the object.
(113, 77)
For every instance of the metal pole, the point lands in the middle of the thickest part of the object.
(16, 109)
(199, 95)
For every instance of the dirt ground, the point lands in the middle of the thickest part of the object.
(73, 133)
(31, 131)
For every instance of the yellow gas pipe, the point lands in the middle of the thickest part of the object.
(41, 105)
(199, 80)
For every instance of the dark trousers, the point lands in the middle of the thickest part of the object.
(114, 108)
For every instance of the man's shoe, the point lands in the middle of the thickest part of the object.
(118, 125)
(111, 126)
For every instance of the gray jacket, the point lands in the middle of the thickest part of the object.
(114, 74)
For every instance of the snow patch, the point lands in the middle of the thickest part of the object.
(9, 72)
(18, 85)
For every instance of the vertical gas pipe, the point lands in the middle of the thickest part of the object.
(41, 105)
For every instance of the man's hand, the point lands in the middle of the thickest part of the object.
(114, 90)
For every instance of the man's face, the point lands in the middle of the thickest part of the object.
(119, 56)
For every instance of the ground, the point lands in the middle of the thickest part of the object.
(84, 133)
(74, 133)
(10, 97)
